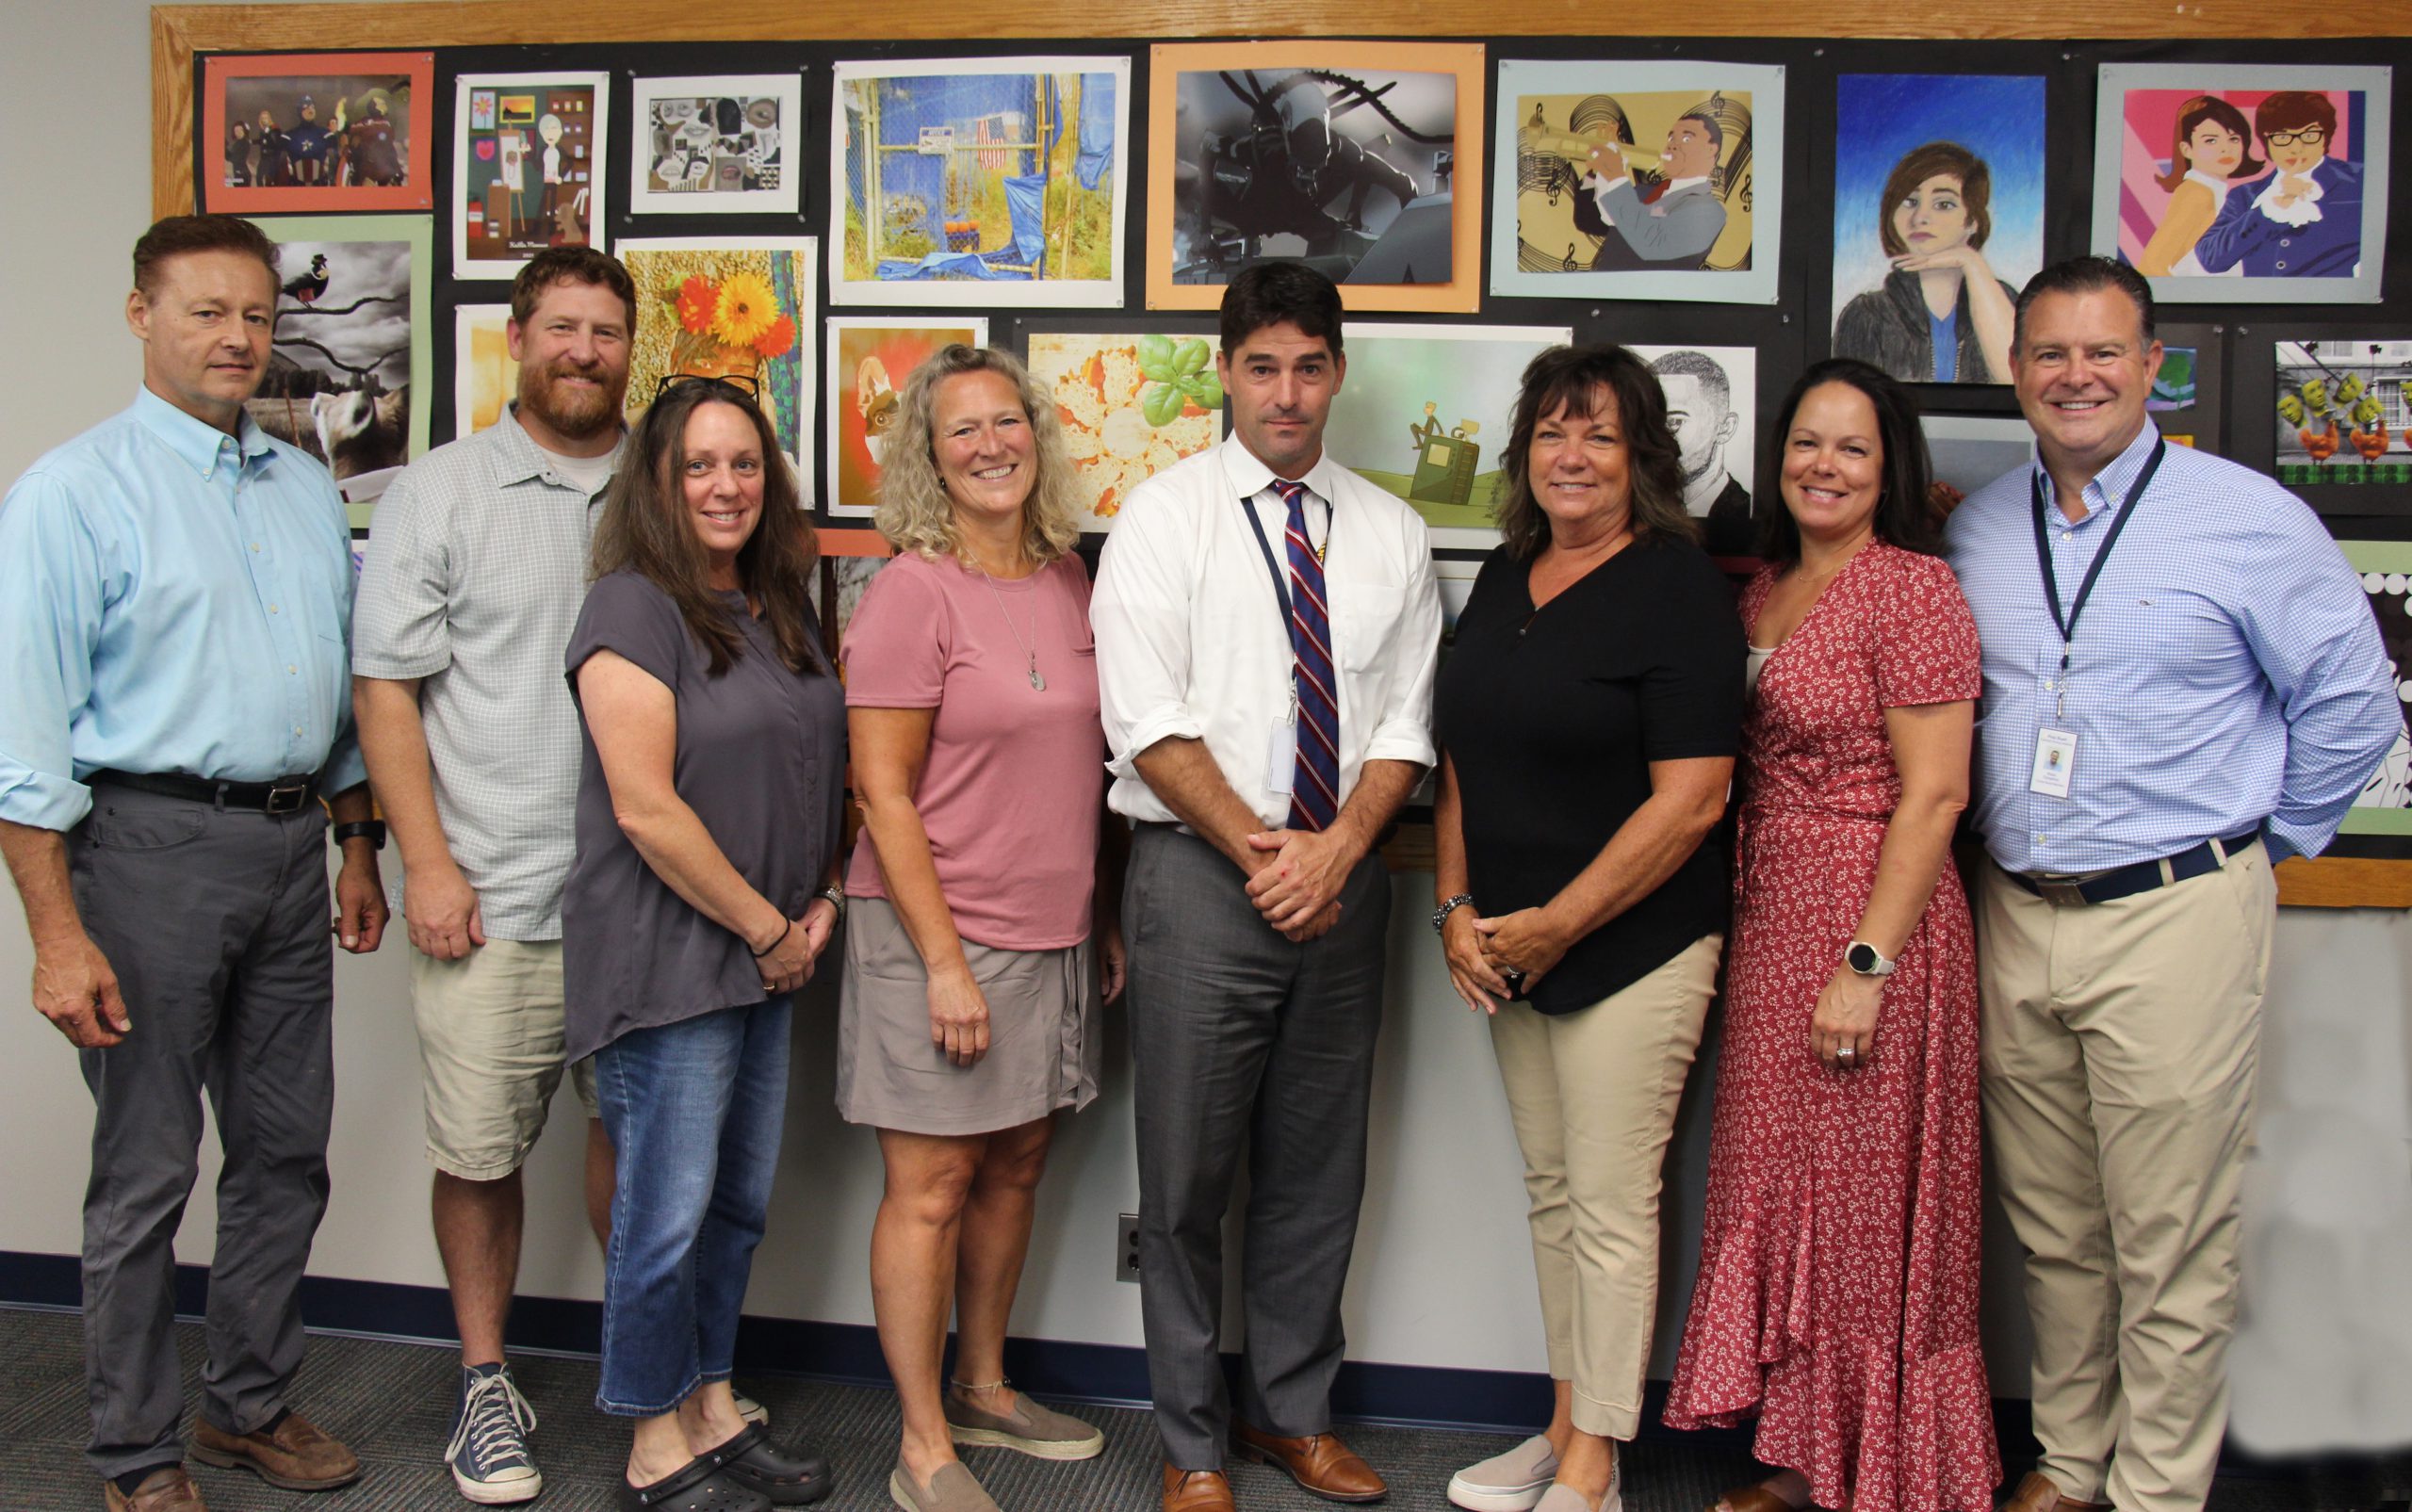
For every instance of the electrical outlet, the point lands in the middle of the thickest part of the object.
(1126, 1248)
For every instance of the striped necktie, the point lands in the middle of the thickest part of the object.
(1315, 797)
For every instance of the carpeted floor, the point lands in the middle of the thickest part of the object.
(392, 1404)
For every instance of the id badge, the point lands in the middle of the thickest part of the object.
(1281, 758)
(2055, 754)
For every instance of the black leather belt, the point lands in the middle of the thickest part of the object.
(286, 795)
(2067, 889)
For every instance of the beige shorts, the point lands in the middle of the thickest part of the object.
(490, 1053)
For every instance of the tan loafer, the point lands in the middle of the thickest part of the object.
(952, 1489)
(169, 1489)
(1196, 1491)
(1320, 1463)
(1030, 1428)
(297, 1456)
(2036, 1494)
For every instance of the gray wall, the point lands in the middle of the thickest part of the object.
(1444, 1275)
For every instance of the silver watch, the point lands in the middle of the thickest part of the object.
(836, 893)
(1863, 958)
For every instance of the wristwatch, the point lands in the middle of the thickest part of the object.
(1862, 958)
(1440, 915)
(371, 830)
(836, 893)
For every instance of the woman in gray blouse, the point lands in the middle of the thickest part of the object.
(704, 890)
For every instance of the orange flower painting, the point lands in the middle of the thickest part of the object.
(728, 307)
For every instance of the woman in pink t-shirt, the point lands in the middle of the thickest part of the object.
(981, 944)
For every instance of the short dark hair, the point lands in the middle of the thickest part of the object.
(1702, 369)
(1920, 164)
(179, 235)
(1574, 377)
(1268, 294)
(1706, 118)
(571, 265)
(2083, 275)
(2293, 110)
(1905, 514)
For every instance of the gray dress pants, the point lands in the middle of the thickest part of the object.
(1241, 1036)
(215, 923)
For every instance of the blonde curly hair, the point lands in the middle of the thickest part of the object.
(914, 512)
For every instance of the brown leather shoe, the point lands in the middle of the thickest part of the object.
(168, 1489)
(1196, 1490)
(297, 1456)
(2036, 1494)
(1320, 1463)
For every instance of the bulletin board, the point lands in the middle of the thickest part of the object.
(1777, 112)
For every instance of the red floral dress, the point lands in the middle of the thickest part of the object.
(1837, 1292)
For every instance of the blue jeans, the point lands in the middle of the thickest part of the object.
(694, 1110)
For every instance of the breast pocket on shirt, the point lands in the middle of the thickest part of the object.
(2182, 636)
(1364, 619)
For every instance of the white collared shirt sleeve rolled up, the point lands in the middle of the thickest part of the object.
(1139, 613)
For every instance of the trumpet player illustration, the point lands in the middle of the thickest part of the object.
(1663, 203)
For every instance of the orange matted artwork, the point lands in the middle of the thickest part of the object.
(1363, 160)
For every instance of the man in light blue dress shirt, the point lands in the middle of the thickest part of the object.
(176, 608)
(2183, 686)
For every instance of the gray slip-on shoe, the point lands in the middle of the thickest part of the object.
(951, 1489)
(1029, 1427)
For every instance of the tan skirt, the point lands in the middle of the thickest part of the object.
(1043, 1041)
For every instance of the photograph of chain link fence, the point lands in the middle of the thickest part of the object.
(995, 181)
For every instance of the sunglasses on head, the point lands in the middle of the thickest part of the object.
(744, 386)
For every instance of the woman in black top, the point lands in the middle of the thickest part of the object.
(1588, 712)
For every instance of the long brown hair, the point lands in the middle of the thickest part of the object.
(1576, 378)
(2193, 113)
(644, 530)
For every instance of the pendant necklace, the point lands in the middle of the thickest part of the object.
(1030, 647)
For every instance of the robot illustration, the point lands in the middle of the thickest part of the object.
(1291, 166)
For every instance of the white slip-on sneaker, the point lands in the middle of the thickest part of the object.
(1511, 1482)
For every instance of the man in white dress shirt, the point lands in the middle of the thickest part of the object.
(1268, 631)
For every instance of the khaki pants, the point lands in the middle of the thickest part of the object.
(1593, 1095)
(2120, 1043)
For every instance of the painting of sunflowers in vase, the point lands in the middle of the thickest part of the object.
(1132, 406)
(737, 308)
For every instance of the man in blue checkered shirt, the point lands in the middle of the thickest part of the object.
(2183, 686)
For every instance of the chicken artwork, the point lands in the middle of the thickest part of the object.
(1130, 406)
(2315, 423)
(2368, 435)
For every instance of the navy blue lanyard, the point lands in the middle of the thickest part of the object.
(1280, 591)
(2067, 625)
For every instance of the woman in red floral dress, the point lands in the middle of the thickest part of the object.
(1837, 1294)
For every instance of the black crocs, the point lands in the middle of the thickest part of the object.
(703, 1485)
(751, 1460)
